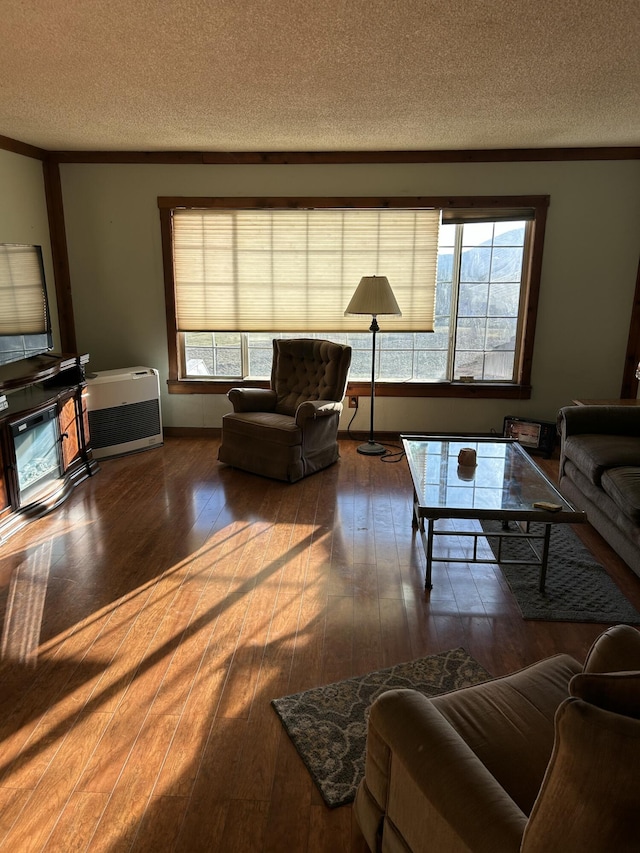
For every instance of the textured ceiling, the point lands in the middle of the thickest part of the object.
(319, 75)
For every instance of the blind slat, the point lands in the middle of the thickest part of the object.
(296, 270)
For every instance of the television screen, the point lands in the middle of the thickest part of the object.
(25, 325)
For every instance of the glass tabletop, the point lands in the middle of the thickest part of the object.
(505, 483)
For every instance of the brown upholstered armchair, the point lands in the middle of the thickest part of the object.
(291, 429)
(541, 761)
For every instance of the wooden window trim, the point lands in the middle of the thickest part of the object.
(481, 390)
(484, 390)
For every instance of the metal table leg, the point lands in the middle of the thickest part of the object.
(429, 553)
(545, 556)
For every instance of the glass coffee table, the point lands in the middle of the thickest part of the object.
(503, 486)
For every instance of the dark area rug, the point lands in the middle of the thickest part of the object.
(577, 588)
(328, 725)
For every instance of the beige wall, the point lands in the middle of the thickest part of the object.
(588, 279)
(23, 215)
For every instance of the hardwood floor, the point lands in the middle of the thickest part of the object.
(149, 621)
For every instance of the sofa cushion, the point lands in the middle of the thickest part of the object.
(623, 487)
(610, 521)
(593, 454)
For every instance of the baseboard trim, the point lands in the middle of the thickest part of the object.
(192, 432)
(215, 432)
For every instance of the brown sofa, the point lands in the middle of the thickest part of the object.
(600, 472)
(289, 430)
(541, 761)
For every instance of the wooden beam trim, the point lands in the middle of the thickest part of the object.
(59, 252)
(8, 144)
(629, 388)
(461, 390)
(169, 291)
(287, 158)
(538, 202)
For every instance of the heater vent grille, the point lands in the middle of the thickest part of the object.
(125, 423)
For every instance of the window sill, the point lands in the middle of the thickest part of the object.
(462, 390)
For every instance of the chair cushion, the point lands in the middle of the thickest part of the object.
(264, 427)
(508, 722)
(618, 692)
(589, 798)
(623, 487)
(593, 454)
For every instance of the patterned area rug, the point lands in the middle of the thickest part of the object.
(328, 725)
(577, 588)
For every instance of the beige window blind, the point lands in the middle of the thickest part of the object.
(295, 270)
(24, 309)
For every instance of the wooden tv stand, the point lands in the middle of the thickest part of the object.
(54, 387)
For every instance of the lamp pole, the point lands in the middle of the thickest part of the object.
(372, 448)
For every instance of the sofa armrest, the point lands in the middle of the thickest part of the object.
(312, 409)
(429, 783)
(599, 420)
(252, 399)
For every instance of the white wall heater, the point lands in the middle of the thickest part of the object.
(123, 407)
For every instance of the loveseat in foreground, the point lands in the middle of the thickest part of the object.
(540, 761)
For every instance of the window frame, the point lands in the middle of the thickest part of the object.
(532, 266)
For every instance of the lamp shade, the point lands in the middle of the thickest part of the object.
(373, 296)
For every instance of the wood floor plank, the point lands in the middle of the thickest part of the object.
(329, 829)
(245, 826)
(368, 652)
(199, 627)
(209, 801)
(76, 826)
(56, 784)
(131, 793)
(181, 597)
(244, 670)
(255, 767)
(12, 802)
(287, 828)
(200, 708)
(159, 827)
(338, 639)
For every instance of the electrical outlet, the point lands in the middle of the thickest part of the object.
(353, 402)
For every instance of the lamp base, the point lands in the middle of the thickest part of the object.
(372, 448)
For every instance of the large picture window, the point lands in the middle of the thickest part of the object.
(240, 272)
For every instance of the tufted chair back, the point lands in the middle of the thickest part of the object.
(305, 369)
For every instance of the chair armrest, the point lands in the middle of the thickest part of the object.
(460, 801)
(312, 409)
(615, 650)
(252, 399)
(599, 420)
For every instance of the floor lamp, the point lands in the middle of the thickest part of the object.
(373, 296)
